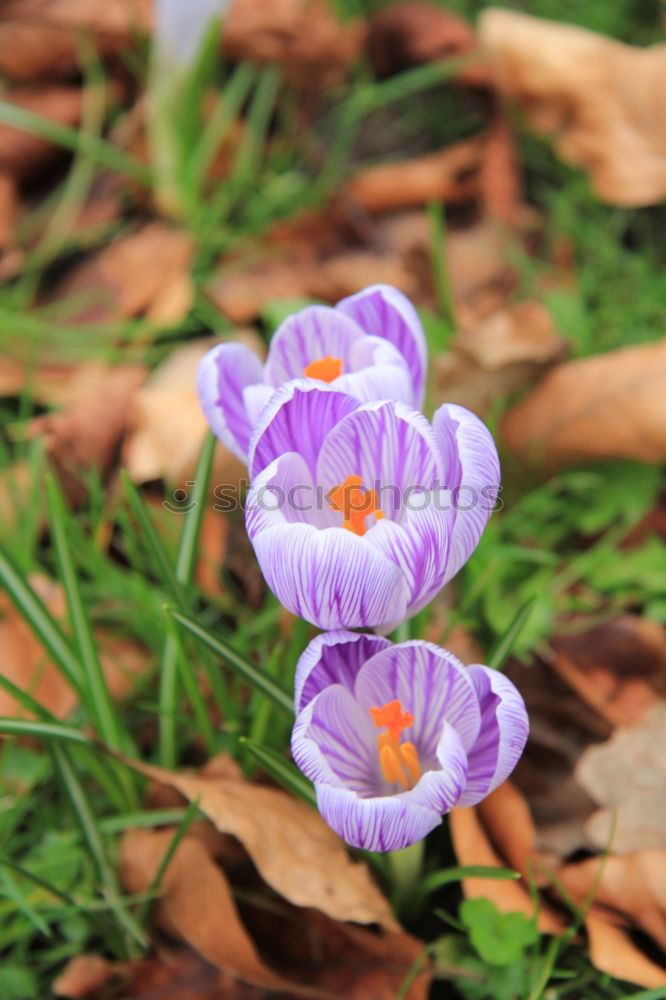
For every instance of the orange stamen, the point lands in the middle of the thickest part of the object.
(398, 761)
(326, 369)
(354, 503)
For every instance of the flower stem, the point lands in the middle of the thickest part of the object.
(405, 867)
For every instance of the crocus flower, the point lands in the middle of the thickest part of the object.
(180, 27)
(371, 346)
(393, 736)
(360, 512)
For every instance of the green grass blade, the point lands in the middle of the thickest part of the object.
(189, 540)
(503, 647)
(40, 620)
(251, 673)
(43, 731)
(230, 102)
(154, 887)
(153, 542)
(26, 700)
(282, 770)
(185, 564)
(11, 891)
(435, 880)
(190, 684)
(98, 700)
(96, 149)
(95, 844)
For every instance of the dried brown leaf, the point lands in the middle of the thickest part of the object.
(82, 976)
(450, 175)
(294, 850)
(473, 843)
(167, 426)
(601, 99)
(87, 434)
(414, 32)
(22, 151)
(132, 276)
(40, 38)
(612, 952)
(306, 38)
(496, 355)
(26, 664)
(634, 886)
(607, 406)
(195, 904)
(627, 776)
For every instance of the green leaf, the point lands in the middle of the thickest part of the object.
(97, 698)
(251, 673)
(435, 880)
(499, 938)
(505, 644)
(70, 138)
(40, 620)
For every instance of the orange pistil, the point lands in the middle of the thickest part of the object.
(326, 369)
(398, 761)
(354, 503)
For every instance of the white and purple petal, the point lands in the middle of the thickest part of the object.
(333, 741)
(331, 578)
(503, 734)
(430, 683)
(333, 658)
(309, 335)
(390, 445)
(472, 474)
(386, 823)
(297, 417)
(224, 375)
(383, 311)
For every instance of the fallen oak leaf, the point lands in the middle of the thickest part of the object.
(196, 905)
(602, 99)
(607, 406)
(294, 850)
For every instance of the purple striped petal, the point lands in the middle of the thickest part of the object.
(383, 311)
(375, 824)
(380, 382)
(333, 741)
(473, 475)
(224, 373)
(390, 445)
(283, 494)
(332, 578)
(314, 333)
(430, 683)
(420, 546)
(333, 658)
(297, 417)
(391, 822)
(504, 731)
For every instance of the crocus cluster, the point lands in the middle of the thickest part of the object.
(359, 511)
